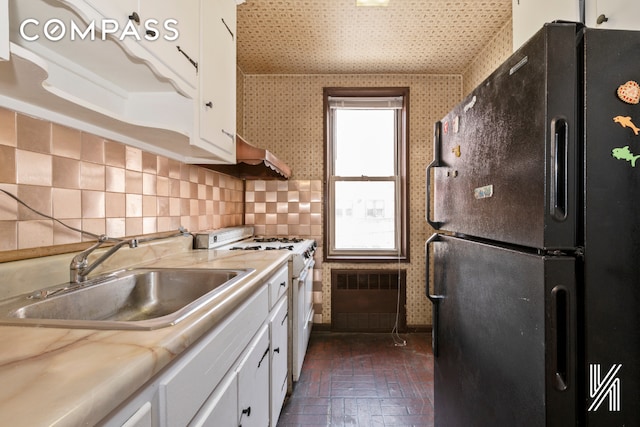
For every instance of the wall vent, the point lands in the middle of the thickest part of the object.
(366, 300)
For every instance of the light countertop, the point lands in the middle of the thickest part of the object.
(76, 377)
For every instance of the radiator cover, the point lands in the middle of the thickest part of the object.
(366, 300)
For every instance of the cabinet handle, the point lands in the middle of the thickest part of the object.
(135, 17)
(283, 284)
(229, 134)
(284, 318)
(209, 104)
(263, 356)
(228, 29)
(194, 63)
(276, 350)
(246, 412)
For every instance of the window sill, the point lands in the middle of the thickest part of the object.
(366, 258)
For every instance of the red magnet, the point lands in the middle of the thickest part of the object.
(629, 92)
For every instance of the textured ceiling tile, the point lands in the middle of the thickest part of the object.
(336, 37)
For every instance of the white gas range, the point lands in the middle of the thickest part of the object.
(300, 295)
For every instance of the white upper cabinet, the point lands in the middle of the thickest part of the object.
(127, 70)
(120, 10)
(157, 28)
(4, 30)
(530, 15)
(217, 103)
(172, 31)
(613, 14)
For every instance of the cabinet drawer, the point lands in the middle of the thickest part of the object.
(278, 285)
(188, 384)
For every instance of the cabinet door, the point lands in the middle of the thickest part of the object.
(221, 409)
(278, 325)
(530, 15)
(121, 10)
(217, 106)
(175, 43)
(613, 14)
(253, 383)
(4, 30)
(142, 417)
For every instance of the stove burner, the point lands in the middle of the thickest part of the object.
(246, 248)
(276, 248)
(278, 239)
(291, 240)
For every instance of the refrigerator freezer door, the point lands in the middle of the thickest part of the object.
(612, 232)
(506, 336)
(507, 162)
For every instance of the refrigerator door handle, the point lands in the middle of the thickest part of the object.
(559, 163)
(437, 139)
(435, 299)
(560, 309)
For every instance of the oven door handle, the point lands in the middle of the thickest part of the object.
(305, 271)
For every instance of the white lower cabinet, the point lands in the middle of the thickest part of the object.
(142, 417)
(278, 328)
(235, 375)
(253, 383)
(221, 409)
(190, 381)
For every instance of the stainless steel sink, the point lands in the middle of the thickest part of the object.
(140, 299)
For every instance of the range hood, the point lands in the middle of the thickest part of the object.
(253, 163)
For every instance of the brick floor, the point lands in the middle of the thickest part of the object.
(357, 379)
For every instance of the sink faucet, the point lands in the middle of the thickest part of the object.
(80, 267)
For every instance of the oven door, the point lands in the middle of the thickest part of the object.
(303, 319)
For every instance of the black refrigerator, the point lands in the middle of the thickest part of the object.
(534, 272)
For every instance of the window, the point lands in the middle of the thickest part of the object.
(366, 169)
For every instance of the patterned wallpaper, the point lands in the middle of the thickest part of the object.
(284, 113)
(494, 54)
(336, 37)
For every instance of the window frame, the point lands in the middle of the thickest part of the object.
(402, 173)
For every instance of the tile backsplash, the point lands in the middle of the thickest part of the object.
(102, 186)
(285, 208)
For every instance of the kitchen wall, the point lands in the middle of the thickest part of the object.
(495, 52)
(284, 114)
(107, 187)
(102, 186)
